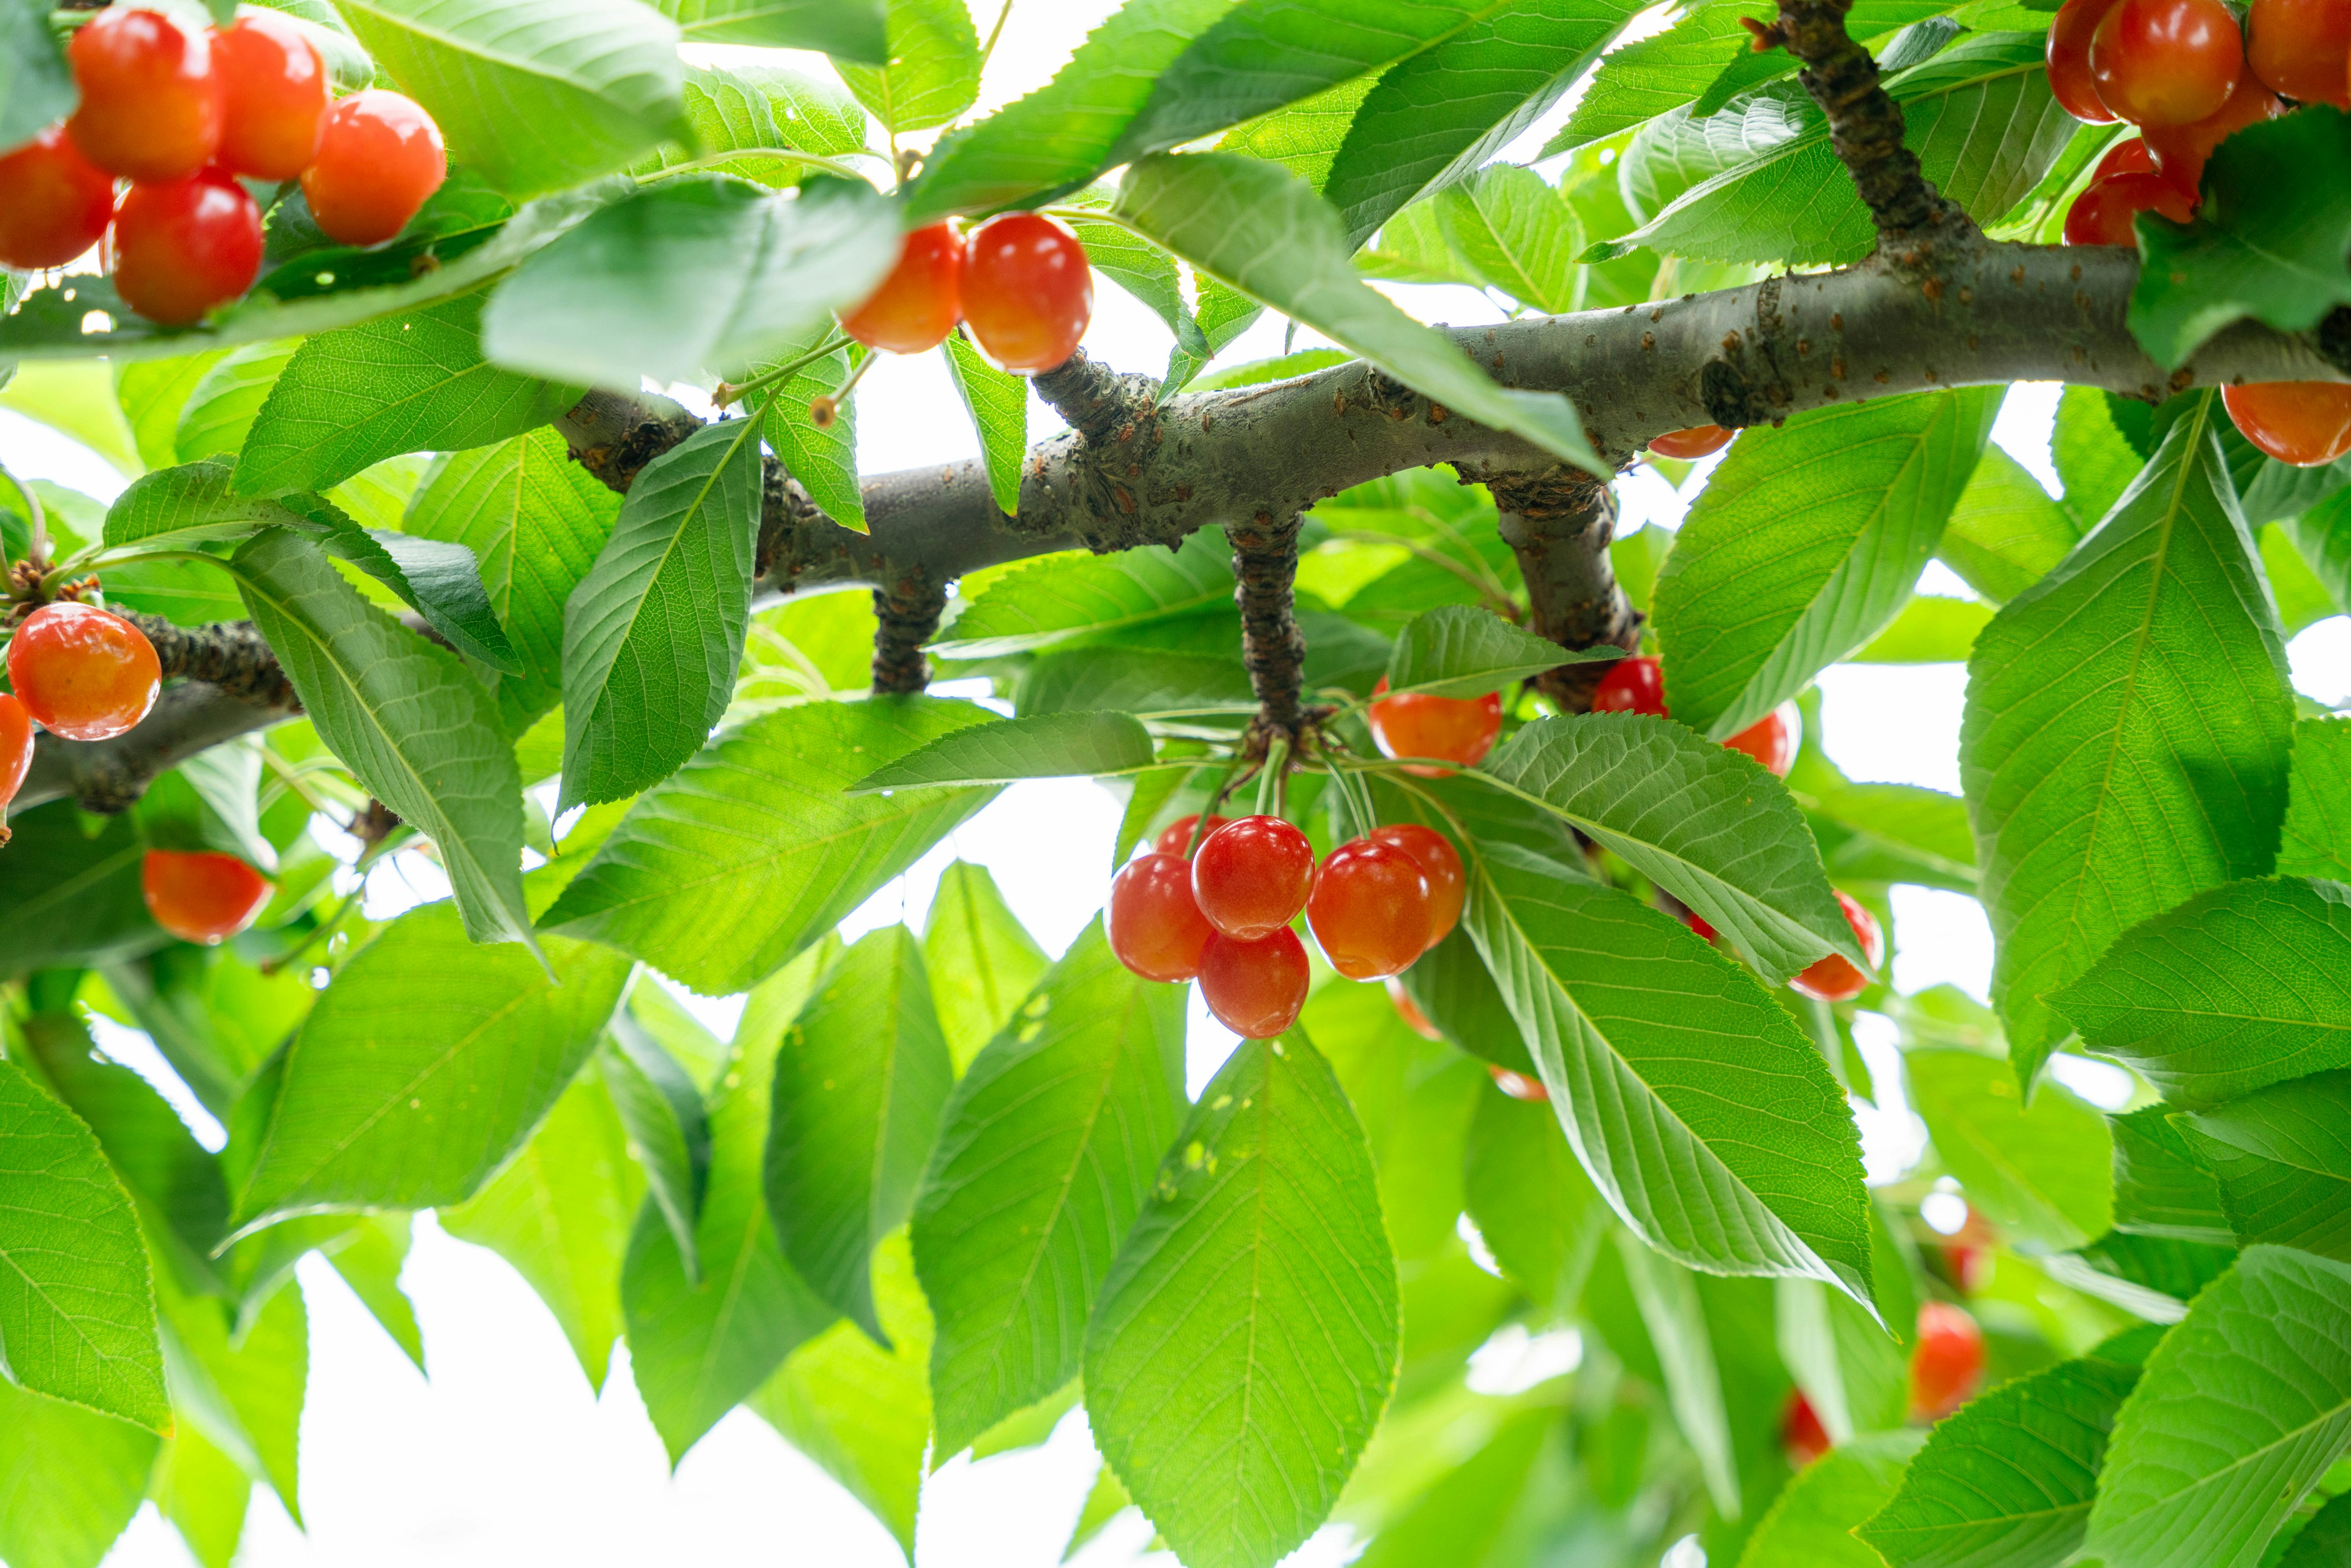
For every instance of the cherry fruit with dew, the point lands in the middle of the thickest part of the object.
(2069, 60)
(920, 300)
(85, 674)
(1689, 445)
(2180, 151)
(276, 90)
(1155, 926)
(2107, 213)
(1370, 909)
(1255, 989)
(1947, 1361)
(1252, 876)
(1409, 1011)
(55, 204)
(1447, 887)
(1176, 838)
(185, 247)
(380, 156)
(199, 896)
(1517, 1085)
(152, 104)
(2301, 48)
(1800, 1432)
(1454, 729)
(1027, 292)
(2301, 422)
(2166, 62)
(1632, 685)
(1834, 978)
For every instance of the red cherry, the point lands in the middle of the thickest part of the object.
(1833, 978)
(200, 897)
(1800, 1432)
(2301, 48)
(2166, 62)
(1448, 888)
(920, 300)
(151, 101)
(84, 674)
(277, 88)
(2180, 151)
(1685, 915)
(1946, 1361)
(1027, 292)
(1458, 729)
(1688, 445)
(1252, 876)
(380, 156)
(1409, 1011)
(1369, 909)
(1154, 925)
(54, 203)
(2069, 60)
(2301, 422)
(2131, 157)
(1255, 989)
(1771, 740)
(2107, 211)
(184, 247)
(1632, 685)
(1176, 838)
(1517, 1085)
(15, 751)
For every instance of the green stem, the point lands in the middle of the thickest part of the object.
(1269, 779)
(732, 392)
(996, 32)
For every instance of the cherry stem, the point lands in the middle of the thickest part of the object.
(996, 32)
(823, 411)
(732, 392)
(1269, 777)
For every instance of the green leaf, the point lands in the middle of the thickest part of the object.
(1848, 1364)
(1064, 598)
(2324, 1541)
(997, 401)
(1045, 1155)
(369, 1263)
(2005, 533)
(220, 412)
(2316, 838)
(1515, 233)
(721, 873)
(533, 95)
(654, 634)
(731, 113)
(2240, 987)
(70, 894)
(37, 86)
(853, 30)
(1704, 822)
(211, 801)
(1143, 269)
(152, 392)
(983, 963)
(417, 731)
(2125, 739)
(1045, 746)
(1257, 1264)
(406, 383)
(699, 275)
(1657, 1051)
(1458, 651)
(2042, 1170)
(1812, 1524)
(1258, 372)
(1190, 688)
(75, 1480)
(860, 1081)
(823, 458)
(2263, 244)
(2283, 1158)
(930, 73)
(1675, 1321)
(243, 1391)
(2163, 1187)
(1928, 629)
(1538, 1212)
(203, 1493)
(1804, 546)
(438, 580)
(2242, 1407)
(1265, 231)
(669, 1132)
(424, 1066)
(2322, 537)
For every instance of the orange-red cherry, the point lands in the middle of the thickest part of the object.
(1027, 292)
(1255, 989)
(185, 247)
(1947, 1361)
(2167, 62)
(1632, 685)
(1771, 740)
(2107, 211)
(1517, 1085)
(1176, 838)
(15, 752)
(152, 104)
(2301, 48)
(920, 300)
(2181, 150)
(202, 897)
(1800, 1432)
(1370, 909)
(1454, 730)
(2069, 60)
(85, 674)
(1153, 924)
(2301, 422)
(2131, 157)
(1252, 876)
(1447, 887)
(1409, 1011)
(275, 89)
(1834, 978)
(380, 156)
(1689, 445)
(54, 203)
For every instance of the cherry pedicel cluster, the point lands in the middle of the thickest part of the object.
(1020, 282)
(185, 116)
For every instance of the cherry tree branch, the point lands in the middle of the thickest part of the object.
(1273, 649)
(1560, 524)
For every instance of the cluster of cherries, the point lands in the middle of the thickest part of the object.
(85, 674)
(1947, 1361)
(185, 116)
(2190, 78)
(1019, 281)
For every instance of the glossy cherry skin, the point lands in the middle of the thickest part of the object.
(1632, 685)
(1517, 1085)
(2181, 150)
(1154, 925)
(1255, 989)
(1456, 729)
(2301, 48)
(1027, 292)
(185, 247)
(1688, 445)
(277, 89)
(1176, 838)
(1800, 1432)
(152, 105)
(2166, 62)
(380, 156)
(1409, 1011)
(2069, 60)
(920, 300)
(84, 674)
(202, 897)
(1370, 909)
(16, 750)
(2131, 157)
(1447, 887)
(2301, 422)
(1833, 978)
(1946, 1361)
(1771, 740)
(2107, 211)
(1252, 876)
(54, 203)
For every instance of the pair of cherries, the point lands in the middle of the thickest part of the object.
(1021, 281)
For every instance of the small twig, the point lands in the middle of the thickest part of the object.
(729, 393)
(1002, 16)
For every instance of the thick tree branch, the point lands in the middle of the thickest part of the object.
(1560, 524)
(1273, 649)
(907, 616)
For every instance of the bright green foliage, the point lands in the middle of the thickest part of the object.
(201, 1490)
(668, 1129)
(852, 29)
(1849, 1366)
(2041, 1169)
(822, 458)
(69, 894)
(981, 961)
(1536, 1209)
(930, 72)
(242, 1385)
(69, 1479)
(2316, 838)
(1062, 599)
(1041, 746)
(2283, 1157)
(2163, 1187)
(1675, 1318)
(997, 401)
(2005, 533)
(221, 410)
(1458, 651)
(1810, 1526)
